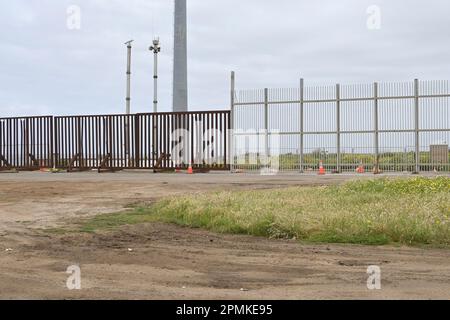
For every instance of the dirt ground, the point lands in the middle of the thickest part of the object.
(158, 261)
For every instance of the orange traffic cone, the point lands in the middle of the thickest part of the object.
(190, 170)
(321, 169)
(361, 168)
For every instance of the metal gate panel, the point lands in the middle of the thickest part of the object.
(143, 141)
(26, 143)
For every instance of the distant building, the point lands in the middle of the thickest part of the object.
(439, 153)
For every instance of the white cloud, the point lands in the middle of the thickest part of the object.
(268, 43)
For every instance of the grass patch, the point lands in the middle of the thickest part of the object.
(376, 212)
(114, 220)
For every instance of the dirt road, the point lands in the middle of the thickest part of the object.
(169, 262)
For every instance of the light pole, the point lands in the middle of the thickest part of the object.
(155, 48)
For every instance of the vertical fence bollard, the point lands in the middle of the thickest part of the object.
(137, 145)
(302, 123)
(338, 128)
(53, 143)
(376, 129)
(80, 143)
(110, 142)
(417, 125)
(266, 124)
(127, 140)
(26, 143)
(155, 152)
(231, 125)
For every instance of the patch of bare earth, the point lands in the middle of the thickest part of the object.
(170, 262)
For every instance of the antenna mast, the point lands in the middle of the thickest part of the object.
(128, 98)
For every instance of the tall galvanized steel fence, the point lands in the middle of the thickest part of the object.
(141, 141)
(379, 126)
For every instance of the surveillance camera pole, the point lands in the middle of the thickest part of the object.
(128, 99)
(155, 48)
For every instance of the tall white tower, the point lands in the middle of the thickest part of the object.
(180, 81)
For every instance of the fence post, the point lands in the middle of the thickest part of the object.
(155, 151)
(80, 143)
(376, 129)
(127, 138)
(338, 127)
(137, 145)
(302, 122)
(231, 125)
(52, 155)
(26, 142)
(110, 141)
(266, 123)
(417, 124)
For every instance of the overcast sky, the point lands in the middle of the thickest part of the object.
(48, 68)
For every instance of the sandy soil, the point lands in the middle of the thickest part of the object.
(169, 262)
